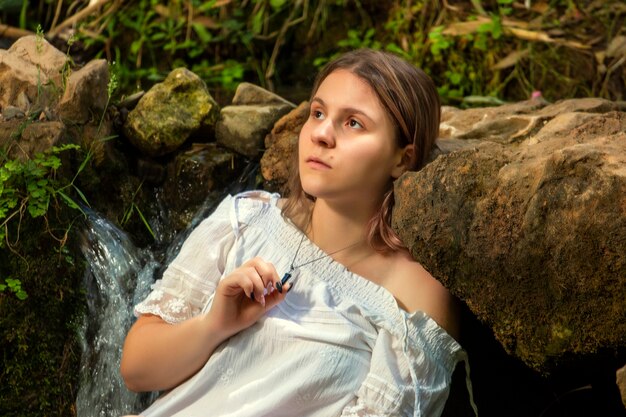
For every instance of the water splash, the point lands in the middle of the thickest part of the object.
(117, 277)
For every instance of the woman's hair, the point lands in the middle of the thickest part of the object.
(411, 101)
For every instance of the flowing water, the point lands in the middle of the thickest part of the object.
(117, 277)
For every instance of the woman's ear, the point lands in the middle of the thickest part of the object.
(404, 156)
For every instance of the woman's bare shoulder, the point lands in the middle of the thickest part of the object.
(415, 289)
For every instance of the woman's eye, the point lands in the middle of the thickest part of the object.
(317, 114)
(353, 123)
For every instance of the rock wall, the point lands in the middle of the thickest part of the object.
(528, 227)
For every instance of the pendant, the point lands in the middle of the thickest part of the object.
(285, 278)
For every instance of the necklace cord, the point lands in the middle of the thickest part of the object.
(326, 255)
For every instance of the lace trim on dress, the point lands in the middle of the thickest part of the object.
(171, 309)
(360, 410)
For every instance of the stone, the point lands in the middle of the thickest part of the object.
(86, 95)
(581, 105)
(193, 174)
(22, 102)
(38, 52)
(620, 380)
(34, 68)
(247, 93)
(12, 112)
(531, 234)
(23, 140)
(281, 144)
(505, 124)
(243, 128)
(170, 112)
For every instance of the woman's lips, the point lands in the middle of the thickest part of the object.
(317, 163)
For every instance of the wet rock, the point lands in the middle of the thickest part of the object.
(168, 114)
(531, 234)
(85, 96)
(281, 143)
(243, 128)
(33, 67)
(193, 175)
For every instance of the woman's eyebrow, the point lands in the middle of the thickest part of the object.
(351, 110)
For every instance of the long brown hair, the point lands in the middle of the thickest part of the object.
(411, 101)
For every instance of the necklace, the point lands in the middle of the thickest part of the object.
(293, 267)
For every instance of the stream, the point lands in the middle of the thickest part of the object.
(118, 276)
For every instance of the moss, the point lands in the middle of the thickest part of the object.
(40, 351)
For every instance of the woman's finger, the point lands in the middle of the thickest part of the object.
(266, 270)
(276, 297)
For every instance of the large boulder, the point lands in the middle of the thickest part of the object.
(528, 226)
(170, 112)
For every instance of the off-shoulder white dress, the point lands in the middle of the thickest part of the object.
(338, 345)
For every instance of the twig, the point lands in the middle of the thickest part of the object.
(189, 21)
(77, 17)
(610, 70)
(269, 72)
(57, 13)
(479, 7)
(12, 32)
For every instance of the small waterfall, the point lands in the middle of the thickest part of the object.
(118, 276)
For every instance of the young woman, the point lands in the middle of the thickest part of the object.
(310, 306)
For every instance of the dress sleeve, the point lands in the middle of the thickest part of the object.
(192, 277)
(408, 376)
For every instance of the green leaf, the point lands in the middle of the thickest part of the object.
(67, 146)
(277, 4)
(135, 46)
(145, 222)
(84, 163)
(13, 165)
(21, 295)
(81, 195)
(204, 35)
(68, 200)
(257, 21)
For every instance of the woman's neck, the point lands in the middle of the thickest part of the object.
(334, 227)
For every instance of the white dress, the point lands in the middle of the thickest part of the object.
(338, 345)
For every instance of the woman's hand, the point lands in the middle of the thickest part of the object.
(244, 296)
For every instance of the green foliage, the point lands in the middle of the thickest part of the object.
(506, 50)
(31, 185)
(197, 35)
(13, 286)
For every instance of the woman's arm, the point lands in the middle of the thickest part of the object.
(158, 355)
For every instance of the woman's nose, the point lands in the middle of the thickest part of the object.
(324, 133)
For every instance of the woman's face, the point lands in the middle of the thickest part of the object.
(347, 147)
